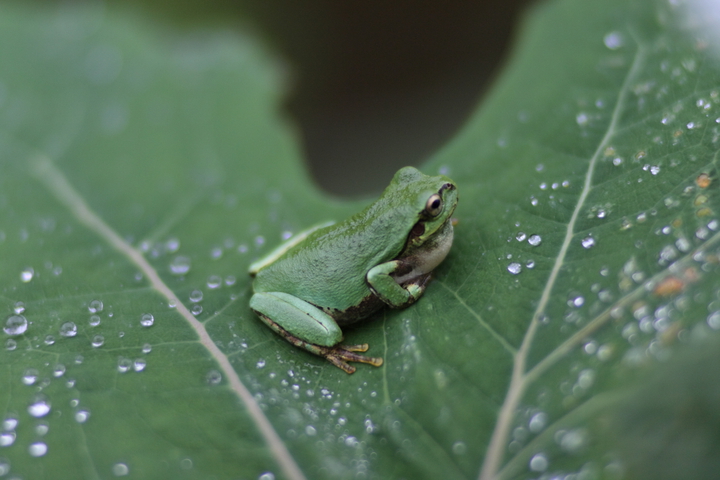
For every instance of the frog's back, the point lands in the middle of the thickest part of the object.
(328, 268)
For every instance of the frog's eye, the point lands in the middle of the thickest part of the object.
(434, 205)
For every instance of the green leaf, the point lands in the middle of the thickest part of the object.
(142, 169)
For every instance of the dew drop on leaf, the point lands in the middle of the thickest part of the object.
(97, 341)
(37, 449)
(180, 265)
(58, 370)
(19, 307)
(39, 406)
(81, 416)
(196, 296)
(147, 320)
(213, 377)
(27, 274)
(535, 240)
(68, 329)
(214, 281)
(15, 325)
(613, 40)
(588, 242)
(30, 376)
(120, 469)
(139, 364)
(514, 268)
(7, 438)
(95, 306)
(537, 422)
(539, 462)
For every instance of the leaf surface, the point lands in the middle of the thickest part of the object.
(142, 170)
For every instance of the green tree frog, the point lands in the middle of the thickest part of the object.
(333, 275)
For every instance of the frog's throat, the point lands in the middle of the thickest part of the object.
(429, 255)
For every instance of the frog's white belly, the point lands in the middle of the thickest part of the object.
(426, 260)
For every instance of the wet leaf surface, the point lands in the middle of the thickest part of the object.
(143, 169)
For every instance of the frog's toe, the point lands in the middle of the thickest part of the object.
(341, 354)
(355, 348)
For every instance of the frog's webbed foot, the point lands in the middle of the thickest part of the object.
(339, 355)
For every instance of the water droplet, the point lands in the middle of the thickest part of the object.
(714, 320)
(586, 378)
(180, 265)
(97, 341)
(588, 242)
(310, 431)
(41, 429)
(49, 340)
(139, 364)
(581, 119)
(30, 376)
(81, 416)
(534, 240)
(172, 245)
(58, 370)
(539, 463)
(573, 440)
(4, 467)
(260, 363)
(613, 40)
(520, 236)
(543, 186)
(96, 306)
(39, 406)
(537, 422)
(196, 296)
(267, 476)
(7, 439)
(19, 307)
(124, 364)
(533, 201)
(68, 329)
(10, 345)
(147, 348)
(530, 264)
(459, 448)
(15, 325)
(591, 347)
(617, 161)
(120, 470)
(682, 244)
(147, 320)
(230, 280)
(213, 377)
(214, 281)
(514, 268)
(577, 302)
(196, 309)
(27, 274)
(37, 449)
(94, 320)
(654, 169)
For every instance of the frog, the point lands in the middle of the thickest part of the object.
(336, 274)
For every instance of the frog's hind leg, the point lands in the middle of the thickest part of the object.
(292, 318)
(338, 355)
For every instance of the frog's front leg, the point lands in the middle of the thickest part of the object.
(383, 280)
(306, 326)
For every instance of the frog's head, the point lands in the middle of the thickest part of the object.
(433, 200)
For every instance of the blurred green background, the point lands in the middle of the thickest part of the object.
(372, 85)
